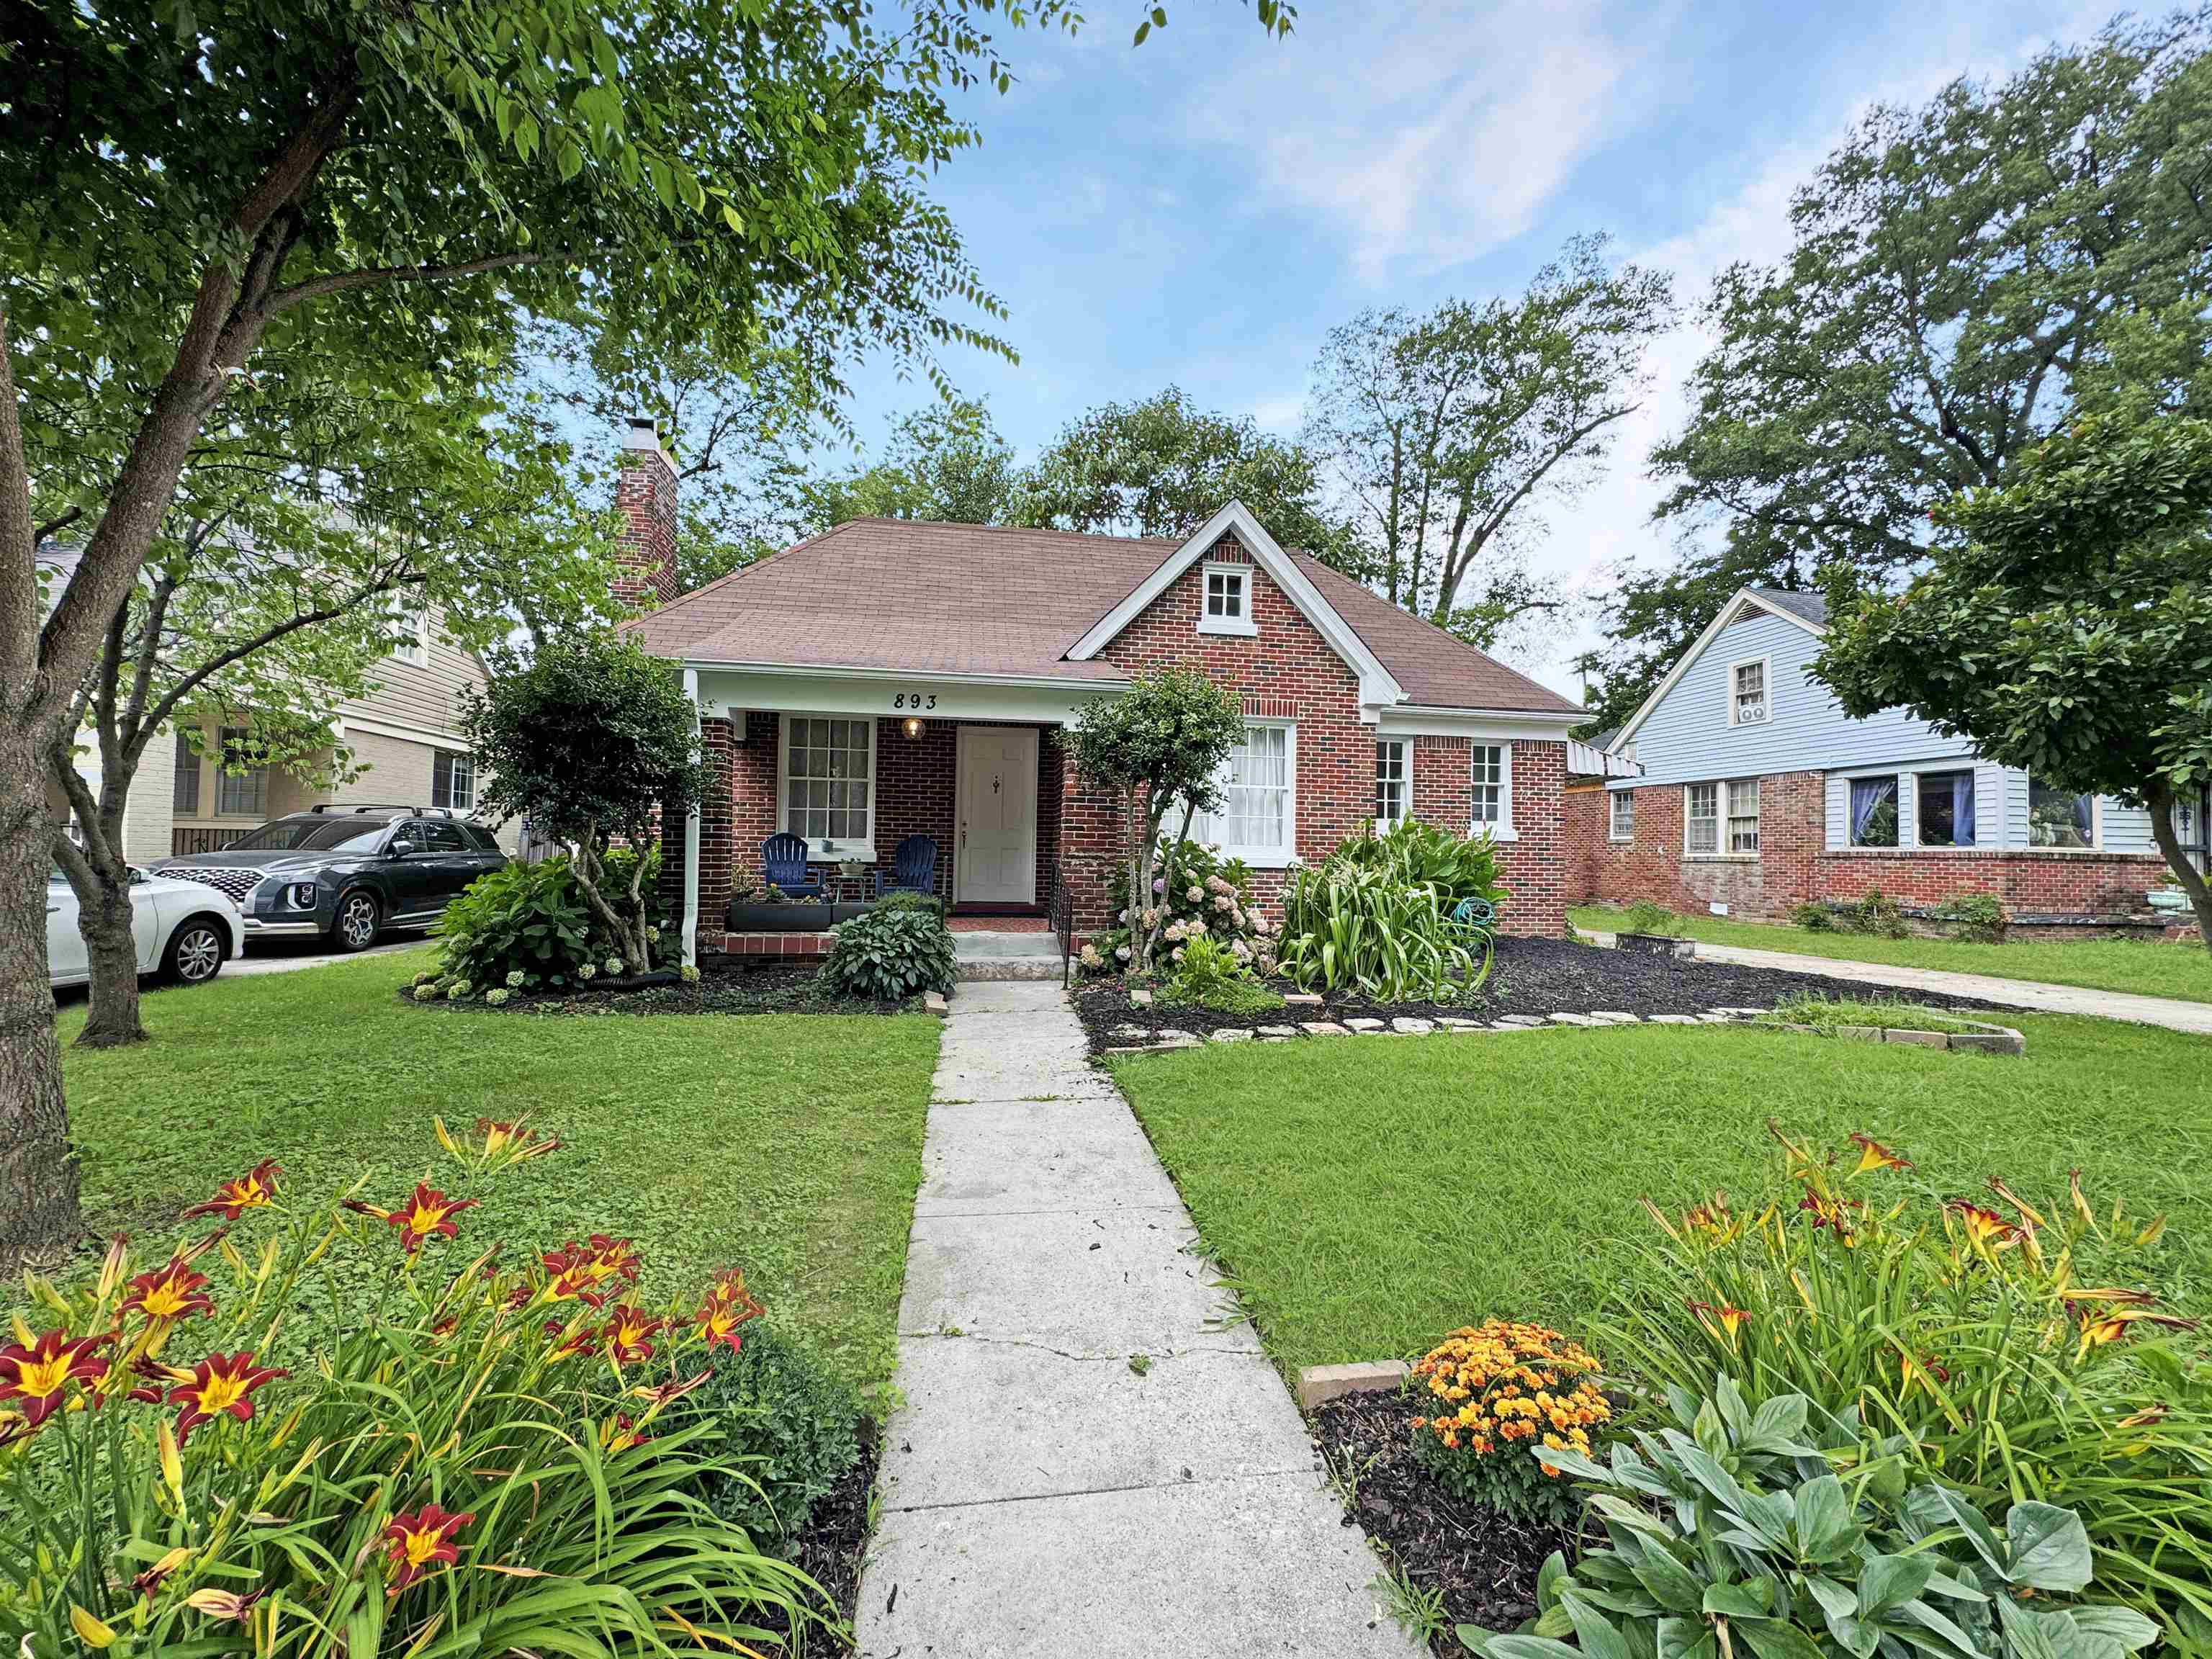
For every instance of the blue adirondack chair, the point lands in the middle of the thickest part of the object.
(783, 857)
(913, 868)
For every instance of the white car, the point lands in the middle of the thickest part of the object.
(186, 930)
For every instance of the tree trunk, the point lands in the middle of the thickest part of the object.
(38, 1171)
(2161, 800)
(111, 954)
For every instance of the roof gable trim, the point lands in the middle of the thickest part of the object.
(1376, 686)
(1745, 601)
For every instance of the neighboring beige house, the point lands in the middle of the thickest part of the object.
(404, 736)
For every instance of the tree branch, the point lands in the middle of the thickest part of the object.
(52, 528)
(316, 287)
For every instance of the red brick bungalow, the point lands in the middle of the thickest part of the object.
(888, 678)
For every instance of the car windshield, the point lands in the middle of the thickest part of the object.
(314, 835)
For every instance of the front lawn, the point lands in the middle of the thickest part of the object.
(2149, 968)
(1368, 1195)
(788, 1144)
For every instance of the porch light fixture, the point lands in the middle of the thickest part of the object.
(911, 725)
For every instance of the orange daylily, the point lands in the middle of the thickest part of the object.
(413, 1541)
(220, 1383)
(1873, 1155)
(256, 1189)
(1723, 1321)
(37, 1371)
(1985, 1228)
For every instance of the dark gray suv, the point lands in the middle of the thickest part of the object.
(349, 873)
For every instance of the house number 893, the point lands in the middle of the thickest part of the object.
(915, 699)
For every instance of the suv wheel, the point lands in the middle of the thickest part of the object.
(195, 951)
(357, 922)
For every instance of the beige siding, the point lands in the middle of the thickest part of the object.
(427, 698)
(146, 813)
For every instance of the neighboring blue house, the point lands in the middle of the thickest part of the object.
(1756, 792)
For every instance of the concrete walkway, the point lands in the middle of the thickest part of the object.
(1040, 1493)
(2036, 997)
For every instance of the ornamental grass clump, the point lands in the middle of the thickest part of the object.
(486, 1463)
(2006, 1344)
(1492, 1393)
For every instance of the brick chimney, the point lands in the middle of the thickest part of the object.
(645, 552)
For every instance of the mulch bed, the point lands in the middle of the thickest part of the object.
(831, 1546)
(742, 988)
(1537, 976)
(1485, 1564)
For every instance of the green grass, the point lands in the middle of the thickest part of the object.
(2150, 968)
(788, 1144)
(1368, 1195)
(1827, 1013)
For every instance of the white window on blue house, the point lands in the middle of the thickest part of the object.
(2060, 817)
(1747, 701)
(1743, 816)
(1621, 823)
(1944, 803)
(1874, 811)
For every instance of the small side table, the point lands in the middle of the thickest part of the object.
(845, 889)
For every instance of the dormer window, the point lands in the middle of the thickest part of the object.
(1748, 704)
(1227, 605)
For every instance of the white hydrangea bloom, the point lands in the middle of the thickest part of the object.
(514, 980)
(496, 995)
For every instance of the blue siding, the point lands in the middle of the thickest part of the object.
(1688, 740)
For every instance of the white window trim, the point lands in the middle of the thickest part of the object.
(1720, 854)
(2027, 807)
(1265, 857)
(1503, 830)
(1897, 776)
(1765, 679)
(458, 756)
(863, 849)
(1243, 626)
(1976, 845)
(1730, 816)
(1405, 748)
(1612, 819)
(415, 652)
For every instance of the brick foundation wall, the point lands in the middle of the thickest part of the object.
(2044, 882)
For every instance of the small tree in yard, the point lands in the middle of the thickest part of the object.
(590, 738)
(1160, 746)
(2071, 632)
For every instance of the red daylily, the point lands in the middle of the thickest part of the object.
(671, 1390)
(572, 1280)
(584, 1338)
(38, 1374)
(628, 1334)
(254, 1190)
(619, 1433)
(224, 1604)
(412, 1542)
(1985, 1228)
(719, 1321)
(169, 1293)
(613, 1257)
(219, 1384)
(430, 1212)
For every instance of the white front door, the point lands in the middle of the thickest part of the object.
(994, 861)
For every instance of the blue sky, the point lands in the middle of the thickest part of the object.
(1202, 209)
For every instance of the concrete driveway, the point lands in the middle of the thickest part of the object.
(288, 956)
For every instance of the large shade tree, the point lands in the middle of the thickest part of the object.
(184, 187)
(1960, 279)
(1448, 432)
(2069, 631)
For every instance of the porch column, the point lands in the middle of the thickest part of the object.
(690, 929)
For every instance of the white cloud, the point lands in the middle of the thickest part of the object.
(1424, 140)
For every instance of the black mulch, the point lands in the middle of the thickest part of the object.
(745, 987)
(834, 1540)
(1485, 1564)
(1537, 976)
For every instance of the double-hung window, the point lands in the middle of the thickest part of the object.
(830, 783)
(1748, 704)
(1393, 781)
(1701, 819)
(1227, 608)
(1620, 807)
(1490, 776)
(2059, 817)
(185, 800)
(453, 781)
(242, 791)
(1257, 820)
(1743, 815)
(1945, 804)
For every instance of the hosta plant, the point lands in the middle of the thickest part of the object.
(486, 1464)
(1780, 1532)
(1490, 1392)
(892, 954)
(2004, 1341)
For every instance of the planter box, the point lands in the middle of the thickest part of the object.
(1656, 944)
(751, 916)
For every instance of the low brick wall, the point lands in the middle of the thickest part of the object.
(777, 944)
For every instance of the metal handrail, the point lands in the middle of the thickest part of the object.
(1060, 914)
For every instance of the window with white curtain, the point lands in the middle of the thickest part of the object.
(1393, 781)
(242, 791)
(1701, 818)
(1489, 779)
(1258, 818)
(828, 779)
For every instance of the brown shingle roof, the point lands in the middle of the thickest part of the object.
(887, 593)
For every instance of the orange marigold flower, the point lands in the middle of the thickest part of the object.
(413, 1541)
(429, 1213)
(169, 1293)
(39, 1372)
(219, 1384)
(1873, 1155)
(256, 1189)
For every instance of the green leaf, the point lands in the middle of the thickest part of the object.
(1752, 1600)
(1889, 1581)
(1593, 1630)
(1824, 1518)
(2050, 1548)
(1670, 1582)
(1773, 1638)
